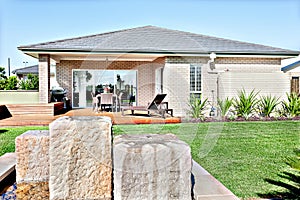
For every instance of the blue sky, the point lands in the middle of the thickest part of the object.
(22, 22)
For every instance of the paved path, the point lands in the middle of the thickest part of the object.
(207, 187)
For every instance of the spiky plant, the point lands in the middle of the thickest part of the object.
(267, 105)
(197, 107)
(291, 107)
(244, 104)
(224, 106)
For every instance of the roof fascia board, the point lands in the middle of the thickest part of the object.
(290, 66)
(35, 52)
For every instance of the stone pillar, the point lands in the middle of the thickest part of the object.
(80, 158)
(152, 167)
(44, 78)
(32, 169)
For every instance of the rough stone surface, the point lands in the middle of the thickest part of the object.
(80, 158)
(34, 190)
(32, 150)
(151, 167)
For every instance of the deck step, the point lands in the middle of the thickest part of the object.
(35, 109)
(7, 164)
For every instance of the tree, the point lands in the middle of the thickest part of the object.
(2, 73)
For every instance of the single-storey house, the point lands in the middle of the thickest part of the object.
(141, 62)
(22, 73)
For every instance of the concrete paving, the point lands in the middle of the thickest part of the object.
(7, 164)
(207, 187)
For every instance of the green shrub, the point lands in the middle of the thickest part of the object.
(224, 106)
(267, 105)
(11, 83)
(2, 84)
(197, 107)
(244, 104)
(32, 83)
(291, 107)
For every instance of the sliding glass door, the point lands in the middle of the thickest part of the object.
(88, 83)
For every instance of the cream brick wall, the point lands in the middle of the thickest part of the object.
(274, 83)
(176, 84)
(262, 74)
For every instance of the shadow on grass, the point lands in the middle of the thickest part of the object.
(291, 184)
(3, 131)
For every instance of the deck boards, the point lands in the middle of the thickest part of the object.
(35, 109)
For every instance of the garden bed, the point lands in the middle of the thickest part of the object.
(240, 119)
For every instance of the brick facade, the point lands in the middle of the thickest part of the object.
(262, 74)
(176, 76)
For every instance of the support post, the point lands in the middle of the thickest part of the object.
(44, 78)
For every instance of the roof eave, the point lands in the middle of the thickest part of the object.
(284, 54)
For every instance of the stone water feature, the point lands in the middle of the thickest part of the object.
(75, 159)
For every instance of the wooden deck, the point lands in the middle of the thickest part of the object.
(117, 118)
(35, 109)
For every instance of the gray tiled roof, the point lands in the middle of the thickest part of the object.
(155, 39)
(27, 70)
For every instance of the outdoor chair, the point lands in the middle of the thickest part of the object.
(106, 100)
(95, 102)
(157, 105)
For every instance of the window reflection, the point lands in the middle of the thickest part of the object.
(89, 83)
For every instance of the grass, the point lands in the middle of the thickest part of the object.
(8, 135)
(241, 155)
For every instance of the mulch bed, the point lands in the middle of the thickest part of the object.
(241, 119)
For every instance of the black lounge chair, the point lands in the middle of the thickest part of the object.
(157, 105)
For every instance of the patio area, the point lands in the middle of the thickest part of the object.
(117, 118)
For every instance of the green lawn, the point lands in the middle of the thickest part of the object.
(8, 135)
(239, 154)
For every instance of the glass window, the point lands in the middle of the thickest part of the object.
(195, 80)
(89, 83)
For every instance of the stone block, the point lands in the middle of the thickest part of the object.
(32, 150)
(32, 169)
(80, 158)
(151, 167)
